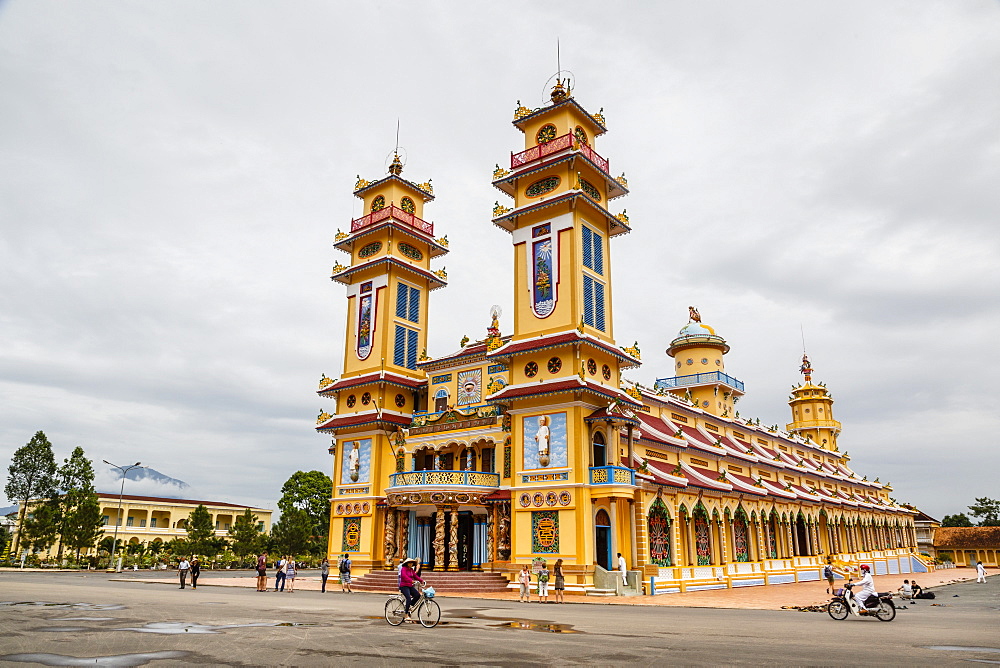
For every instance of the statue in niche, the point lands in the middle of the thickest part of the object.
(542, 439)
(354, 461)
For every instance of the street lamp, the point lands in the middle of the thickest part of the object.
(118, 519)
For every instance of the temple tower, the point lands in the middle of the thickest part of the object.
(701, 369)
(812, 411)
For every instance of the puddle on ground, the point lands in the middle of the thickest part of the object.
(83, 619)
(74, 606)
(117, 661)
(544, 627)
(61, 629)
(962, 648)
(172, 628)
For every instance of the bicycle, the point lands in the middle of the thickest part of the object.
(427, 610)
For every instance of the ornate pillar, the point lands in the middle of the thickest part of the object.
(640, 536)
(439, 539)
(389, 543)
(490, 555)
(503, 531)
(453, 539)
(403, 533)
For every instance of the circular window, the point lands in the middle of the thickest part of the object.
(580, 134)
(542, 186)
(530, 369)
(370, 249)
(718, 362)
(351, 400)
(679, 364)
(400, 400)
(546, 134)
(378, 203)
(704, 360)
(366, 398)
(592, 367)
(705, 403)
(406, 204)
(554, 365)
(606, 372)
(690, 362)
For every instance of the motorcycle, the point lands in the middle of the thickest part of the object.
(844, 603)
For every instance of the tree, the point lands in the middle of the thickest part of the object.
(107, 542)
(200, 531)
(309, 491)
(31, 475)
(988, 510)
(292, 534)
(957, 520)
(83, 524)
(40, 529)
(76, 483)
(245, 535)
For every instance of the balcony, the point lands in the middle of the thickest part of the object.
(711, 377)
(611, 475)
(395, 213)
(474, 479)
(555, 146)
(466, 417)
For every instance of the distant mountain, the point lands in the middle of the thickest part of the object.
(143, 481)
(7, 511)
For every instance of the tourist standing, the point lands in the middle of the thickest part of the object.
(543, 583)
(524, 579)
(324, 573)
(195, 572)
(828, 574)
(980, 572)
(279, 575)
(262, 572)
(345, 573)
(623, 568)
(182, 570)
(290, 573)
(560, 581)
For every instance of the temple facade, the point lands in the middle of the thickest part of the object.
(532, 444)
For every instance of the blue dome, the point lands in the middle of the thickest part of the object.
(696, 329)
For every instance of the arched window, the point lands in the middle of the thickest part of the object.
(660, 552)
(602, 519)
(741, 542)
(702, 537)
(441, 400)
(600, 457)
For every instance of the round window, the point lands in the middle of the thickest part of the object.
(366, 398)
(546, 134)
(704, 360)
(400, 400)
(351, 400)
(592, 367)
(554, 365)
(606, 372)
(690, 362)
(406, 204)
(378, 203)
(530, 369)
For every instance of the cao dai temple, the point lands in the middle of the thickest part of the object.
(531, 444)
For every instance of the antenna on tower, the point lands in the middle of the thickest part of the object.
(803, 332)
(396, 150)
(558, 59)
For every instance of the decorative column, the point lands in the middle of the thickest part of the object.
(403, 533)
(794, 530)
(503, 531)
(453, 540)
(439, 539)
(389, 544)
(640, 537)
(490, 555)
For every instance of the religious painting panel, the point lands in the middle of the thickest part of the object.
(543, 279)
(366, 305)
(470, 387)
(356, 466)
(545, 443)
(352, 535)
(545, 531)
(703, 541)
(659, 534)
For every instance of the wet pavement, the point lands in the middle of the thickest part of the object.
(69, 619)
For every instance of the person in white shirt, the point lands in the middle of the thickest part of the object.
(866, 584)
(906, 591)
(623, 569)
(182, 570)
(980, 572)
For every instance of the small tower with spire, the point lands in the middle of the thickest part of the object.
(812, 411)
(701, 370)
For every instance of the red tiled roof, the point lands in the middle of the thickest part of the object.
(967, 537)
(744, 484)
(560, 339)
(358, 419)
(368, 378)
(558, 386)
(498, 495)
(704, 478)
(658, 475)
(655, 429)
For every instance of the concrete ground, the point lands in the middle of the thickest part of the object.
(97, 619)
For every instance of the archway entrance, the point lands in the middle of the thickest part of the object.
(602, 536)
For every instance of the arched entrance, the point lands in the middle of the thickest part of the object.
(741, 539)
(602, 537)
(702, 536)
(600, 456)
(801, 536)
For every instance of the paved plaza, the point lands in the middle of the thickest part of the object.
(101, 619)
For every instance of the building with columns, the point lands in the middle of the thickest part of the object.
(531, 444)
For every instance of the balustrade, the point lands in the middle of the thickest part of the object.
(392, 212)
(444, 478)
(554, 146)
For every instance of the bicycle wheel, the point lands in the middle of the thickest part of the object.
(886, 612)
(429, 613)
(837, 609)
(395, 611)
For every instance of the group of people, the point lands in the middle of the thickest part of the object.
(287, 570)
(542, 576)
(193, 567)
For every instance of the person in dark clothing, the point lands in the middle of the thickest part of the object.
(195, 572)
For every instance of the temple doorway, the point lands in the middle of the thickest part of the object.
(602, 536)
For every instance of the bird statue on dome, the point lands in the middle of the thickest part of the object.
(693, 315)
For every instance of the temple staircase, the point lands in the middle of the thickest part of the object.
(443, 582)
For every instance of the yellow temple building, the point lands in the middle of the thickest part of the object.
(532, 445)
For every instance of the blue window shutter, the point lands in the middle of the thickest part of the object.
(588, 256)
(401, 300)
(411, 349)
(598, 254)
(588, 300)
(599, 305)
(414, 314)
(399, 347)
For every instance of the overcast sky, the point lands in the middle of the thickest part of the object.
(172, 176)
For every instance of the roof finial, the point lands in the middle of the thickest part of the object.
(396, 167)
(693, 315)
(806, 368)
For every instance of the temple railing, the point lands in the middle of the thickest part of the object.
(444, 479)
(554, 146)
(611, 475)
(395, 212)
(699, 379)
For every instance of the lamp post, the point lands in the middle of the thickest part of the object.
(118, 519)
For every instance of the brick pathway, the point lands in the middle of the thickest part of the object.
(772, 597)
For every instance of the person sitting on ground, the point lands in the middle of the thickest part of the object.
(524, 579)
(407, 576)
(917, 589)
(906, 591)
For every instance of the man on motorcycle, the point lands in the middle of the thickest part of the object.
(865, 588)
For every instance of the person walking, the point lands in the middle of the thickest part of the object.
(279, 575)
(560, 581)
(195, 572)
(290, 573)
(324, 573)
(980, 572)
(262, 572)
(623, 568)
(828, 574)
(543, 583)
(524, 579)
(345, 573)
(182, 570)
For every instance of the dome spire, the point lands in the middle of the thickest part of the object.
(806, 368)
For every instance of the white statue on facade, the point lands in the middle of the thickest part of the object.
(354, 461)
(542, 439)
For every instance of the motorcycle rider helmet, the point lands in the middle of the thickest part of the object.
(865, 568)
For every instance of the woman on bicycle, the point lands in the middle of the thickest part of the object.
(407, 576)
